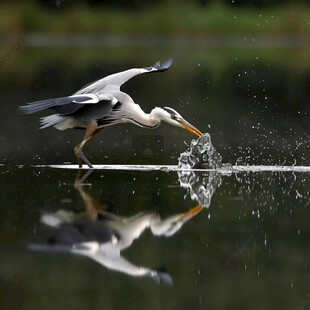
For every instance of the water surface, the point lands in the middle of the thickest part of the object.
(246, 247)
(204, 239)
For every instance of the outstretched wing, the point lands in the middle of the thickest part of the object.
(64, 105)
(118, 79)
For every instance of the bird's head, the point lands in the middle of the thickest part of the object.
(172, 224)
(172, 117)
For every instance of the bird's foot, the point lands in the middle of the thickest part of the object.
(85, 160)
(80, 157)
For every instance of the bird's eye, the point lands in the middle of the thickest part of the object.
(173, 116)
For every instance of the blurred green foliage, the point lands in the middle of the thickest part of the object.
(199, 16)
(135, 4)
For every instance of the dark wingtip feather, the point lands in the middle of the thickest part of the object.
(161, 67)
(36, 106)
(167, 64)
(162, 276)
(48, 248)
(24, 109)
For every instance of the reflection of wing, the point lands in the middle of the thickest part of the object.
(118, 79)
(108, 257)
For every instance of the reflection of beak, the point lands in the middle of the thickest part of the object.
(190, 127)
(191, 213)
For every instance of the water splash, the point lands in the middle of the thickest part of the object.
(201, 154)
(200, 187)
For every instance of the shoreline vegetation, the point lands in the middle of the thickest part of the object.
(168, 18)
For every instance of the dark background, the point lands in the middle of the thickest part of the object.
(241, 72)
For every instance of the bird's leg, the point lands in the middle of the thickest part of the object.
(91, 130)
(80, 156)
(80, 181)
(91, 206)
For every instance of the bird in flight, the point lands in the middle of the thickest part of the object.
(101, 104)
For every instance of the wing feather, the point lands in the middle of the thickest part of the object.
(63, 105)
(118, 79)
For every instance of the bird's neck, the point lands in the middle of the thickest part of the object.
(143, 119)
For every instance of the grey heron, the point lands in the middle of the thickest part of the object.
(102, 104)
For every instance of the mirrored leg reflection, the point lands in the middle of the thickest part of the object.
(102, 235)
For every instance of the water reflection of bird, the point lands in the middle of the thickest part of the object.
(102, 235)
(101, 104)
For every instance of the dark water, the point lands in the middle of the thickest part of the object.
(245, 242)
(246, 248)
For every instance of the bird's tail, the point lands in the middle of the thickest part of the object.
(52, 120)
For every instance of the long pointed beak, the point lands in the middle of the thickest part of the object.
(191, 213)
(190, 127)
